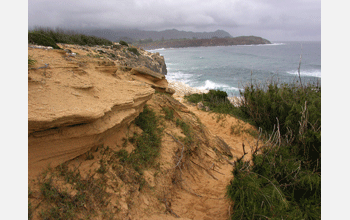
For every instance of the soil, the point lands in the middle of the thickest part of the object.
(185, 182)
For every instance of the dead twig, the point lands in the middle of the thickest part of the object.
(205, 170)
(182, 151)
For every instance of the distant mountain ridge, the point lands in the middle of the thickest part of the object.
(241, 40)
(134, 35)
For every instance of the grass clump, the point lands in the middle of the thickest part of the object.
(147, 143)
(86, 196)
(169, 113)
(31, 61)
(186, 130)
(284, 181)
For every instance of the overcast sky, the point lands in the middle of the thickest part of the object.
(275, 20)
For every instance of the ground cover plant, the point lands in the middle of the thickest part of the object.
(283, 180)
(217, 101)
(50, 37)
(147, 143)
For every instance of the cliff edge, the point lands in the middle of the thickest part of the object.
(79, 96)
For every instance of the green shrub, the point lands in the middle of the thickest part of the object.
(217, 102)
(123, 43)
(284, 181)
(31, 61)
(147, 143)
(46, 36)
(41, 39)
(133, 50)
(169, 113)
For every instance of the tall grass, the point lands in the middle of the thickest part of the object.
(284, 181)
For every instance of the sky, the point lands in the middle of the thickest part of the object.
(275, 20)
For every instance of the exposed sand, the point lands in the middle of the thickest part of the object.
(212, 203)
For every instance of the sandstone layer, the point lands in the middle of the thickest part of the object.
(76, 100)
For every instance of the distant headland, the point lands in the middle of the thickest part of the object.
(178, 43)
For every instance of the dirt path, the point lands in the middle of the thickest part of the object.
(204, 197)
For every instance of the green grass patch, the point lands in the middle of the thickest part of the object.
(31, 61)
(90, 194)
(188, 140)
(169, 113)
(284, 181)
(147, 143)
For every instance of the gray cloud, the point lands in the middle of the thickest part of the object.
(271, 19)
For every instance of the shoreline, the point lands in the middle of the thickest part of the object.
(182, 89)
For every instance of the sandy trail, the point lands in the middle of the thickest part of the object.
(204, 197)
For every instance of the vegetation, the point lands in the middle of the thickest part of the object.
(121, 42)
(86, 196)
(31, 62)
(147, 144)
(50, 37)
(134, 50)
(217, 102)
(169, 113)
(284, 181)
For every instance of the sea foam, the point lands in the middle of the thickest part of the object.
(314, 73)
(212, 85)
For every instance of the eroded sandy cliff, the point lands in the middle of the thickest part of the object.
(77, 99)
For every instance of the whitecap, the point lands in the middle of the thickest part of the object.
(314, 73)
(212, 85)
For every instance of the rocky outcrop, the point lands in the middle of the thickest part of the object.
(75, 103)
(156, 80)
(121, 55)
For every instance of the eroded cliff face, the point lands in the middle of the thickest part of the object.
(76, 100)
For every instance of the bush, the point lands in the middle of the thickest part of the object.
(133, 50)
(123, 43)
(147, 144)
(41, 39)
(45, 36)
(217, 102)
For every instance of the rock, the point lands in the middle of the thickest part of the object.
(68, 118)
(156, 80)
(200, 106)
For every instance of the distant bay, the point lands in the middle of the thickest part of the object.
(229, 68)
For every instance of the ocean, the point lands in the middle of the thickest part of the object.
(229, 68)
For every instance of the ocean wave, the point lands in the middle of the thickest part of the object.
(314, 73)
(212, 85)
(179, 76)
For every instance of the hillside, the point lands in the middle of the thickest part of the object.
(242, 40)
(134, 35)
(109, 141)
